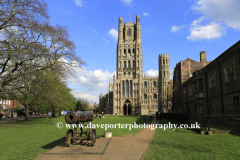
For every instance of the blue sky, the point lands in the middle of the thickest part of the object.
(182, 28)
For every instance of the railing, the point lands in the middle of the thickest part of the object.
(207, 122)
(221, 123)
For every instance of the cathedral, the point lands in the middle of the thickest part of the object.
(131, 93)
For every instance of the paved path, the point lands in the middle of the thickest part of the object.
(119, 148)
(22, 118)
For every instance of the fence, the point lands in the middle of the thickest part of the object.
(207, 122)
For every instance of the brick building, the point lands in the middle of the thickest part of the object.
(5, 104)
(208, 87)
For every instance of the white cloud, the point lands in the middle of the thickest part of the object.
(171, 74)
(176, 28)
(106, 40)
(78, 3)
(146, 14)
(220, 10)
(151, 73)
(114, 33)
(81, 94)
(208, 31)
(129, 2)
(91, 79)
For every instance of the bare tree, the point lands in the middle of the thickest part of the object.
(21, 13)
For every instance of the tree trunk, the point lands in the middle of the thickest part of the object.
(46, 114)
(27, 112)
(53, 112)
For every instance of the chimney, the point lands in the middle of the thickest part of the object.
(203, 56)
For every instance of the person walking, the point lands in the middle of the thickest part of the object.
(8, 115)
(157, 116)
(150, 115)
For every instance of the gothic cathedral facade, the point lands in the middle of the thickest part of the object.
(132, 93)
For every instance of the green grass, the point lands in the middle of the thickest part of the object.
(27, 139)
(186, 144)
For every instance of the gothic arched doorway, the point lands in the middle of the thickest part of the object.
(125, 109)
(129, 109)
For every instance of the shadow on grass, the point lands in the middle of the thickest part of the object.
(53, 144)
(143, 119)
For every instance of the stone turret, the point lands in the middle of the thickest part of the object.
(163, 79)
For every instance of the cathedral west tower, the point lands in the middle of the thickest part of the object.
(131, 93)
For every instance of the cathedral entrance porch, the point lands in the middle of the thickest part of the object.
(127, 109)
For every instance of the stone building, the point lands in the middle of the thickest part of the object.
(164, 77)
(132, 93)
(169, 96)
(182, 72)
(209, 87)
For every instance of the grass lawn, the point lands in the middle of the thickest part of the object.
(186, 144)
(27, 139)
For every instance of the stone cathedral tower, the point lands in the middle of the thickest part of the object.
(131, 92)
(128, 67)
(163, 79)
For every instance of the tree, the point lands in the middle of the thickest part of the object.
(28, 46)
(95, 106)
(51, 93)
(21, 13)
(82, 104)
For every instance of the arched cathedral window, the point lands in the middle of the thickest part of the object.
(123, 88)
(145, 84)
(129, 32)
(155, 96)
(145, 96)
(154, 84)
(127, 88)
(130, 88)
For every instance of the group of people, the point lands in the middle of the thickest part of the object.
(158, 115)
(100, 116)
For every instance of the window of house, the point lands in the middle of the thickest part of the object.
(129, 50)
(210, 104)
(145, 96)
(190, 91)
(184, 92)
(145, 84)
(124, 73)
(129, 32)
(124, 51)
(229, 72)
(134, 64)
(163, 61)
(212, 80)
(195, 86)
(129, 64)
(133, 51)
(134, 75)
(200, 85)
(125, 64)
(236, 101)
